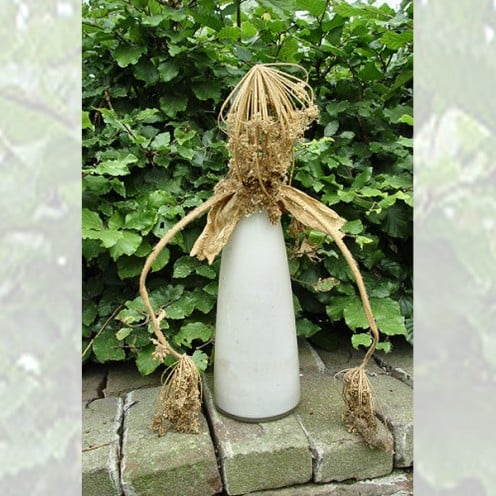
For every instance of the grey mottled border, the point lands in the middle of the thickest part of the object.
(40, 148)
(455, 247)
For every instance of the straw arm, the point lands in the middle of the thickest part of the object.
(152, 257)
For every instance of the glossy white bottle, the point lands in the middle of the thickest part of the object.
(256, 370)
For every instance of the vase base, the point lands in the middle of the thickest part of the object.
(257, 420)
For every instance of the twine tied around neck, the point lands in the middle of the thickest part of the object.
(263, 117)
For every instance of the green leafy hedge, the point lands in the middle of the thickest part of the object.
(155, 74)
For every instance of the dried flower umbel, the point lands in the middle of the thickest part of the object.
(263, 117)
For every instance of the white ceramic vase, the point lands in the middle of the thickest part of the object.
(256, 369)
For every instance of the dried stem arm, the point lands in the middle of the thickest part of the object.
(152, 257)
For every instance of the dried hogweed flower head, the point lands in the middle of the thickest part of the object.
(263, 117)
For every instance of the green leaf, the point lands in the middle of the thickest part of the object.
(148, 115)
(395, 41)
(384, 346)
(203, 301)
(230, 33)
(337, 305)
(184, 266)
(86, 122)
(168, 71)
(191, 331)
(398, 221)
(386, 311)
(152, 21)
(91, 249)
(388, 316)
(289, 50)
(144, 361)
(211, 288)
(407, 142)
(354, 315)
(144, 70)
(370, 72)
(126, 245)
(407, 119)
(129, 266)
(172, 104)
(201, 360)
(123, 333)
(331, 128)
(106, 347)
(181, 308)
(279, 7)
(126, 55)
(306, 328)
(353, 227)
(161, 141)
(325, 285)
(91, 220)
(89, 312)
(360, 10)
(118, 167)
(207, 90)
(96, 184)
(361, 340)
(206, 271)
(108, 237)
(142, 221)
(162, 260)
(207, 18)
(248, 30)
(315, 7)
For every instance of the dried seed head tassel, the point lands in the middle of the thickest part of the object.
(179, 401)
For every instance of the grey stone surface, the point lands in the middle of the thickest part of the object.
(395, 407)
(100, 457)
(310, 361)
(338, 454)
(278, 458)
(396, 484)
(94, 377)
(176, 464)
(399, 362)
(124, 377)
(256, 456)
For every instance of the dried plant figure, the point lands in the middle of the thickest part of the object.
(263, 117)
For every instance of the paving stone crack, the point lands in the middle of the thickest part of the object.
(317, 456)
(217, 449)
(114, 462)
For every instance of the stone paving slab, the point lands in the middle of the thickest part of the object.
(123, 378)
(310, 361)
(176, 464)
(100, 457)
(395, 407)
(312, 444)
(396, 484)
(256, 456)
(399, 362)
(338, 454)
